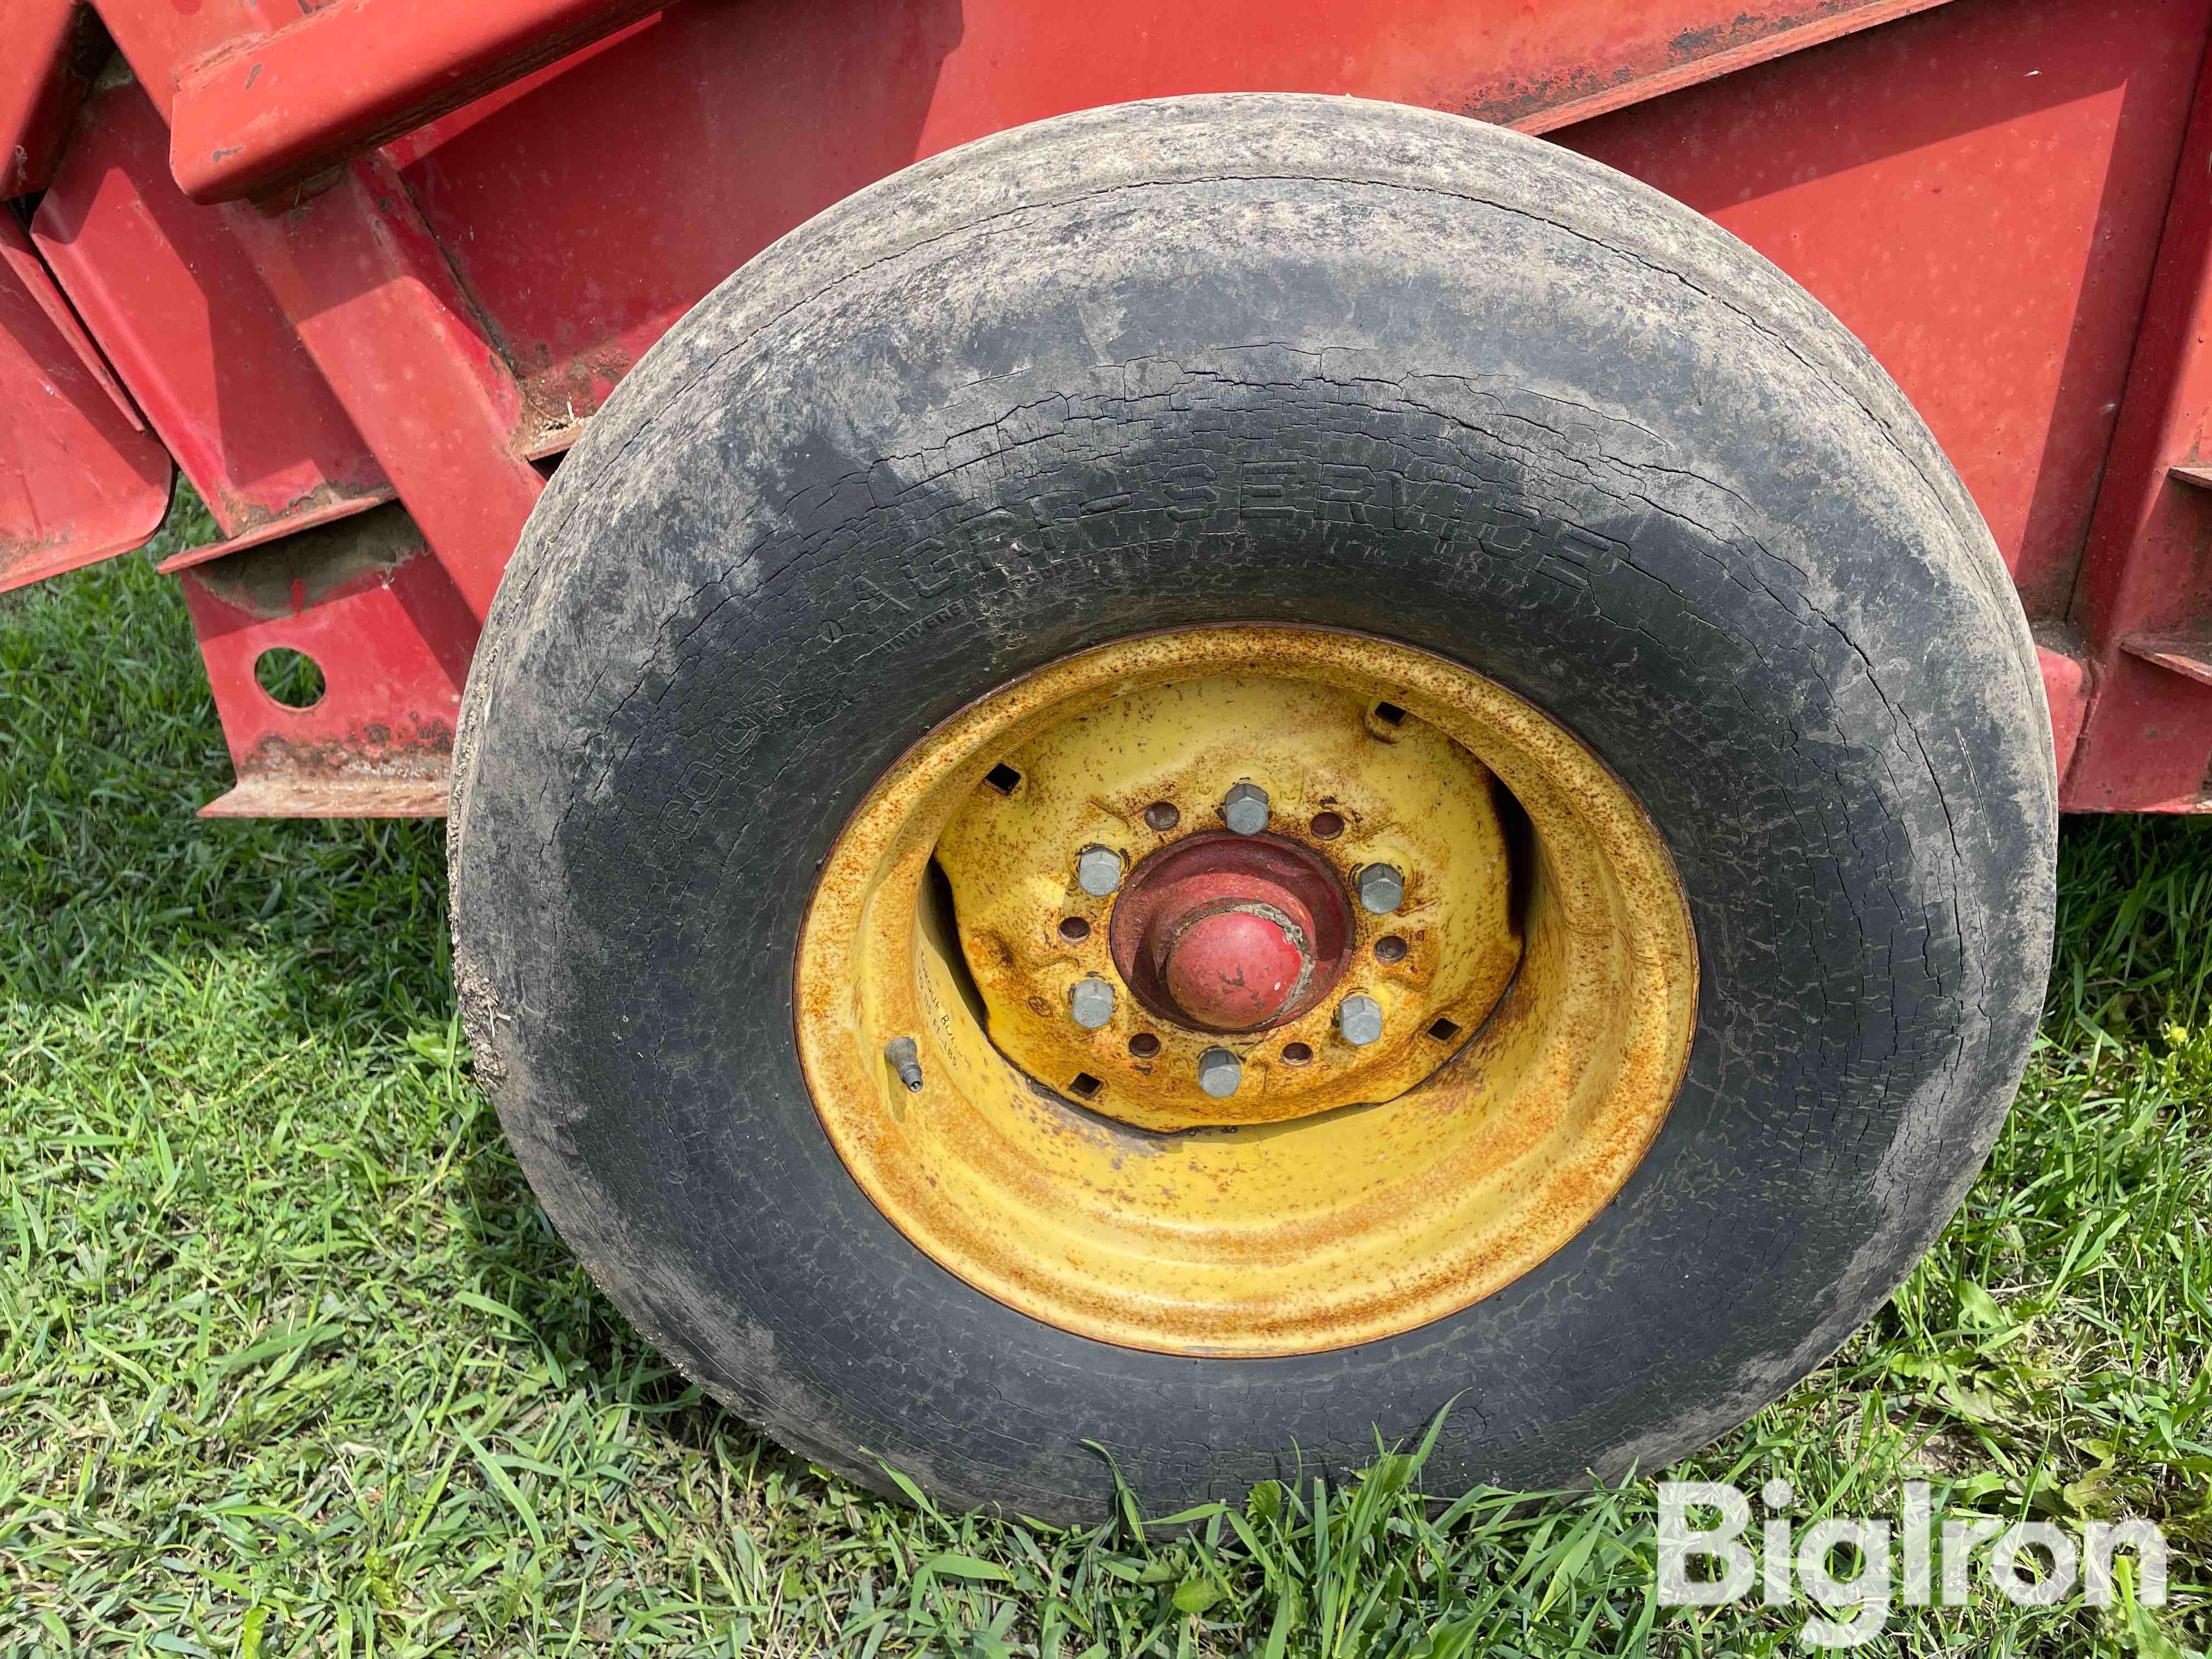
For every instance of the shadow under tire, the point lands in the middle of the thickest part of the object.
(1282, 360)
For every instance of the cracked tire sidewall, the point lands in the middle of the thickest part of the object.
(1175, 364)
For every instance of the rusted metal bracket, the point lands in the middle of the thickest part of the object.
(365, 601)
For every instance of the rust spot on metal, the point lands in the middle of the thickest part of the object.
(282, 796)
(558, 403)
(421, 753)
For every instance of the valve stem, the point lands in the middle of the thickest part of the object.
(905, 1056)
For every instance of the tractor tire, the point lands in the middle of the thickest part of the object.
(1308, 366)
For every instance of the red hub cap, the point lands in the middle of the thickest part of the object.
(1235, 967)
(1230, 932)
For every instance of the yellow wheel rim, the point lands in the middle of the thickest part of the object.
(1534, 987)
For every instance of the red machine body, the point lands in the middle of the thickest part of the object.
(363, 268)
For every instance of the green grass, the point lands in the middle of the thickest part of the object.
(290, 1361)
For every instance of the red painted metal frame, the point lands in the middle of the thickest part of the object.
(49, 51)
(2144, 600)
(178, 305)
(270, 111)
(1979, 188)
(80, 479)
(31, 277)
(369, 297)
(266, 112)
(2053, 134)
(369, 293)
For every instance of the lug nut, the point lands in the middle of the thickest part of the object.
(1359, 1020)
(1382, 889)
(1091, 1001)
(1098, 870)
(1218, 1073)
(1245, 809)
(906, 1060)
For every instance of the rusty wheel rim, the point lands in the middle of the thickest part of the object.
(1060, 1147)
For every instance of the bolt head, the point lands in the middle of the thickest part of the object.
(1090, 1002)
(1218, 1073)
(1245, 809)
(1382, 889)
(1359, 1020)
(1098, 870)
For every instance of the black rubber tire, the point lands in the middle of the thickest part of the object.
(1256, 357)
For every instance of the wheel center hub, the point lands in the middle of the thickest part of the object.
(1235, 965)
(1230, 932)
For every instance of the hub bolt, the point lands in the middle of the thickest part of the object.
(1359, 1019)
(1091, 1001)
(1382, 889)
(1218, 1073)
(1245, 809)
(1098, 870)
